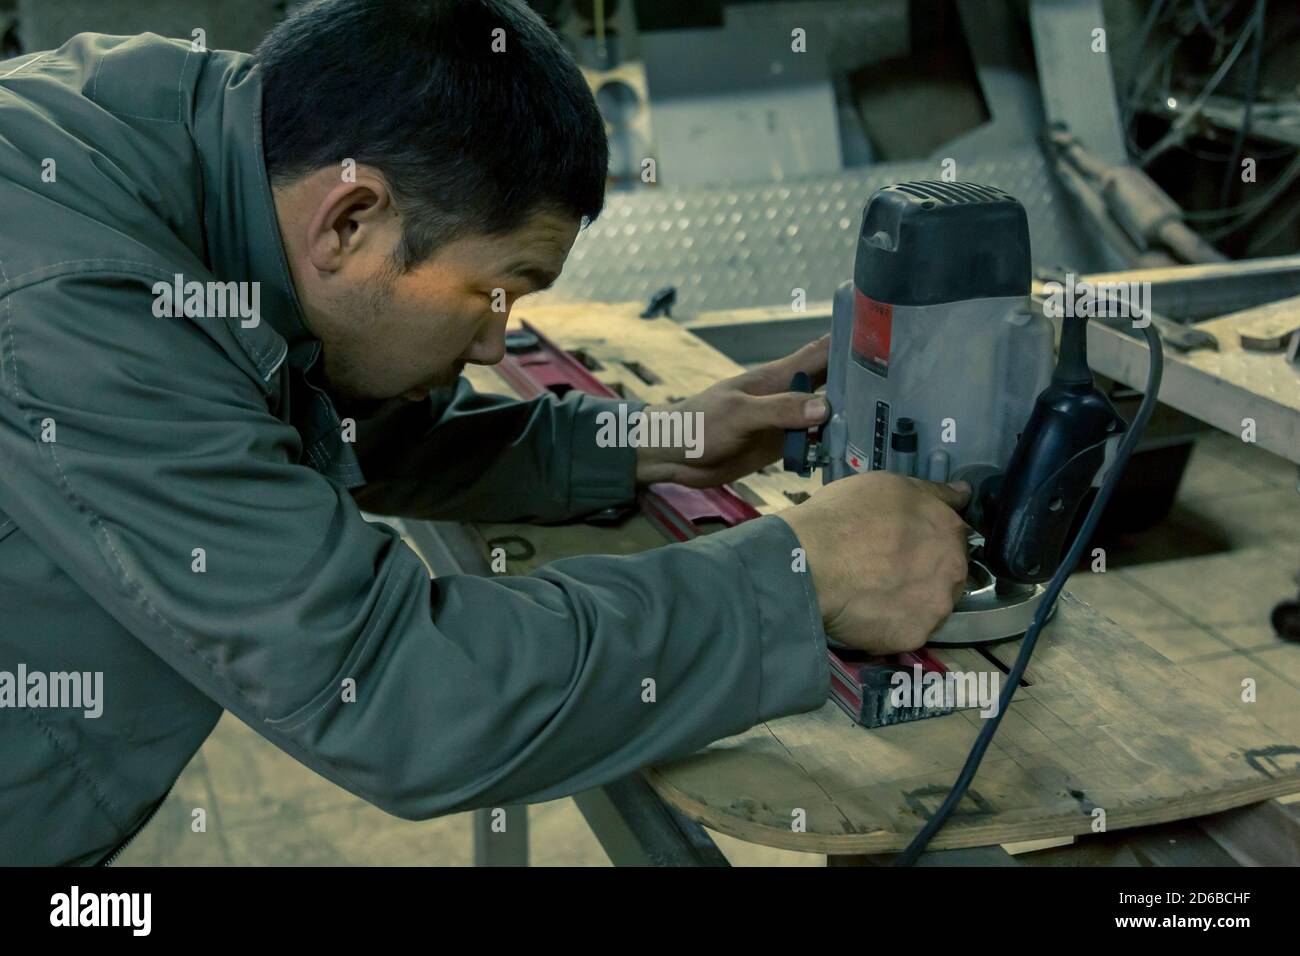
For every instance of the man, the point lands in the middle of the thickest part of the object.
(212, 266)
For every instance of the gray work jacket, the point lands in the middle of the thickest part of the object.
(179, 510)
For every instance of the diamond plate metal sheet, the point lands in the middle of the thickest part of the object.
(750, 246)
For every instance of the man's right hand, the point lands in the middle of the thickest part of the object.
(887, 555)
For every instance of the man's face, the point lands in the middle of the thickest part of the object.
(406, 333)
(386, 333)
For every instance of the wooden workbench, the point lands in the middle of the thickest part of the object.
(1105, 721)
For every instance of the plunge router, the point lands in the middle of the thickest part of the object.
(941, 368)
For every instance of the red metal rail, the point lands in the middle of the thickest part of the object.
(680, 512)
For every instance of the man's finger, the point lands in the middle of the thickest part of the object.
(776, 375)
(787, 410)
(955, 494)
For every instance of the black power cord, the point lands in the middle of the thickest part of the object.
(1155, 370)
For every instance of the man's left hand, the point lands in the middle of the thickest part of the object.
(744, 422)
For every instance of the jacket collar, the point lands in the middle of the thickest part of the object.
(242, 228)
(243, 237)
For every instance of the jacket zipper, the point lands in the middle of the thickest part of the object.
(108, 861)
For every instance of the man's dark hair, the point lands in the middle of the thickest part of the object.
(470, 140)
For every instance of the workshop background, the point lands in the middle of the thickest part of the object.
(761, 167)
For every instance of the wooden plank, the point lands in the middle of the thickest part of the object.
(1222, 388)
(1107, 723)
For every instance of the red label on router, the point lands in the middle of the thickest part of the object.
(873, 322)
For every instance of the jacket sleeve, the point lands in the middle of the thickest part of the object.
(174, 498)
(475, 456)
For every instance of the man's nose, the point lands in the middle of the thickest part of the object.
(489, 347)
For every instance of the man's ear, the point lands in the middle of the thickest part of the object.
(349, 217)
